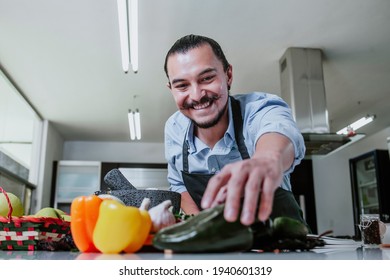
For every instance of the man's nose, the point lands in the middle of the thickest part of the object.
(197, 92)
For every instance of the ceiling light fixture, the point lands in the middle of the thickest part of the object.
(134, 124)
(128, 28)
(351, 128)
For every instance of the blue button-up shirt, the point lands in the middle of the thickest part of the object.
(262, 113)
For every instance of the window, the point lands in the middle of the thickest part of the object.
(20, 142)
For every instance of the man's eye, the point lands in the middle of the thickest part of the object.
(181, 86)
(207, 78)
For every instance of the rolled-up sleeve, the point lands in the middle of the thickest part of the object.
(272, 114)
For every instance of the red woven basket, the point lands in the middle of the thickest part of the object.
(30, 233)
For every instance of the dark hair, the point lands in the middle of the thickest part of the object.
(189, 42)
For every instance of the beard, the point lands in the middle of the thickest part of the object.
(218, 117)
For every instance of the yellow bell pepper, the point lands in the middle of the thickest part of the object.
(120, 228)
(143, 233)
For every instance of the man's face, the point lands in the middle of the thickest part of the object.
(199, 85)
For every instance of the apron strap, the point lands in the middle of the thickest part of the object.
(185, 155)
(238, 128)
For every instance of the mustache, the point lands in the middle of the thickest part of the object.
(204, 99)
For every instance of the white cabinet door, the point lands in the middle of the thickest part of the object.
(75, 178)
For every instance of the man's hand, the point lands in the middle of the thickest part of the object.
(247, 179)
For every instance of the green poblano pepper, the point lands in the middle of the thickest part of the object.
(206, 232)
(209, 232)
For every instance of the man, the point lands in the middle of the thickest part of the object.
(223, 149)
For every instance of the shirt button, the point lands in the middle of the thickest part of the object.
(213, 170)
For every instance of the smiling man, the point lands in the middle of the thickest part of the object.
(238, 150)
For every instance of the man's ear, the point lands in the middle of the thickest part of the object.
(229, 73)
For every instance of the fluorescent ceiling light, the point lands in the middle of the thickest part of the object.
(134, 124)
(356, 125)
(123, 34)
(128, 27)
(133, 22)
(131, 125)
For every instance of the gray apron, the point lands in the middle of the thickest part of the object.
(196, 183)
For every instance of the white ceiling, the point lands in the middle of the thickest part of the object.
(65, 57)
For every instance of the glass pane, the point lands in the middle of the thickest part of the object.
(18, 122)
(17, 188)
(367, 186)
(76, 179)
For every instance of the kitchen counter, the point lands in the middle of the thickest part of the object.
(340, 253)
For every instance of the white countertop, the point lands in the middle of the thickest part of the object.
(340, 253)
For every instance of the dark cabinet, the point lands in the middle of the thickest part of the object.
(302, 184)
(370, 181)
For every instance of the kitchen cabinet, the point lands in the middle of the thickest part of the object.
(370, 181)
(72, 179)
(75, 178)
(302, 184)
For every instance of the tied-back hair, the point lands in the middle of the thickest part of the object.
(189, 42)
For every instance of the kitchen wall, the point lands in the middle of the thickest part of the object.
(332, 184)
(53, 144)
(331, 173)
(133, 152)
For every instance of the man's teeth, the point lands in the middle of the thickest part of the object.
(201, 106)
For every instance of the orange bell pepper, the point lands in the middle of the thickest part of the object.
(84, 212)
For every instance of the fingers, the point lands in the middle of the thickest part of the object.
(245, 179)
(226, 186)
(254, 205)
(266, 199)
(258, 199)
(220, 198)
(235, 190)
(251, 200)
(215, 184)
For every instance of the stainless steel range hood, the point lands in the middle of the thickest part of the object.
(302, 87)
